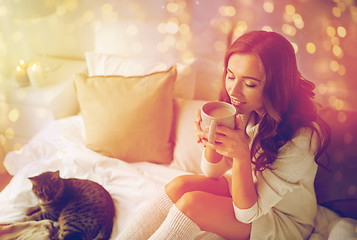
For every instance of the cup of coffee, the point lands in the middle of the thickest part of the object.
(217, 113)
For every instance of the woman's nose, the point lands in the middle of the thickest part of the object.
(235, 88)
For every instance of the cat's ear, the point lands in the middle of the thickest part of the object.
(33, 180)
(55, 175)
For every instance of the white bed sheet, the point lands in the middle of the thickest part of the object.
(61, 146)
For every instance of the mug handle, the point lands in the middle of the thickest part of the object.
(212, 131)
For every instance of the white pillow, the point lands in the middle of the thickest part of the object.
(102, 64)
(187, 152)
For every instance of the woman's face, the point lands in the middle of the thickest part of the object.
(245, 81)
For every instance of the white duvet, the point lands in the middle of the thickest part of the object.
(61, 146)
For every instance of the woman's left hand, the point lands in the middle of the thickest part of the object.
(232, 143)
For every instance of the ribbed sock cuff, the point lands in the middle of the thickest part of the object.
(163, 202)
(176, 226)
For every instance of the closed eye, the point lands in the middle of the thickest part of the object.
(230, 75)
(250, 84)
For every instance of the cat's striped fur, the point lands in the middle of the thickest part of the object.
(84, 209)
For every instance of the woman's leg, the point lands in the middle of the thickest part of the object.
(188, 183)
(208, 203)
(149, 219)
(213, 213)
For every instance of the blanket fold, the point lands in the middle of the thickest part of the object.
(30, 230)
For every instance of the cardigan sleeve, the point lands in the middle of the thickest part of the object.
(294, 164)
(215, 170)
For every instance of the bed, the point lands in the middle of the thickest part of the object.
(116, 147)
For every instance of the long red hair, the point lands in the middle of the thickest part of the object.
(288, 97)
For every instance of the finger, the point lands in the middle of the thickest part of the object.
(223, 130)
(206, 143)
(239, 122)
(198, 115)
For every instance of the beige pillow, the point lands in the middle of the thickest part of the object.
(129, 118)
(187, 152)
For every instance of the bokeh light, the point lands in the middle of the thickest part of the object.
(322, 32)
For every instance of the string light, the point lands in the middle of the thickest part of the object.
(327, 43)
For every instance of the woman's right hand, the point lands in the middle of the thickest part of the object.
(202, 138)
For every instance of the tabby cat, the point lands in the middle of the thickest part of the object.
(84, 209)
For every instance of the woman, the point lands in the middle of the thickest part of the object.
(258, 179)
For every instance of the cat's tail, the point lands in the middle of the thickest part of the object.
(104, 233)
(73, 236)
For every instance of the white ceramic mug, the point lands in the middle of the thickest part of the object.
(217, 113)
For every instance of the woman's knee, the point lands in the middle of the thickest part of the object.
(190, 205)
(178, 187)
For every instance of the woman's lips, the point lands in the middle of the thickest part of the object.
(236, 102)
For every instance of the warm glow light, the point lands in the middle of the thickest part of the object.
(241, 26)
(268, 7)
(310, 48)
(299, 23)
(34, 67)
(14, 115)
(170, 40)
(322, 88)
(353, 11)
(184, 29)
(335, 41)
(171, 28)
(337, 51)
(289, 30)
(341, 31)
(267, 28)
(339, 104)
(188, 56)
(225, 27)
(108, 12)
(172, 7)
(295, 46)
(228, 11)
(331, 31)
(290, 9)
(161, 28)
(3, 10)
(3, 140)
(9, 133)
(336, 12)
(334, 65)
(342, 70)
(17, 147)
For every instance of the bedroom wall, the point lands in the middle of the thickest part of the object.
(323, 32)
(324, 38)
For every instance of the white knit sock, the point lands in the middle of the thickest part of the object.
(149, 219)
(177, 226)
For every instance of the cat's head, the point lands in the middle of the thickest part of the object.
(47, 186)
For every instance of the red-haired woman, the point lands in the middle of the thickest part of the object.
(258, 180)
